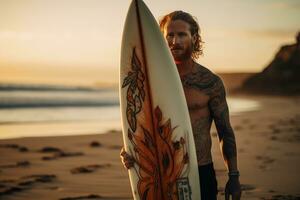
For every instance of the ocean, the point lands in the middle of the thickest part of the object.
(40, 111)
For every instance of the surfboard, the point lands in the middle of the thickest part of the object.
(156, 125)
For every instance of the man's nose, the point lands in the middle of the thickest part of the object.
(175, 40)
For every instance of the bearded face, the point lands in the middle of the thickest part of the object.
(180, 40)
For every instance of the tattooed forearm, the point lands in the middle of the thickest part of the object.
(226, 135)
(220, 113)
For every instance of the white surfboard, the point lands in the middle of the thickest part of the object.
(156, 125)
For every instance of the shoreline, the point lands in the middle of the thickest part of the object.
(93, 123)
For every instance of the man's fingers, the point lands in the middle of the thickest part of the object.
(129, 164)
(129, 157)
(127, 160)
(122, 152)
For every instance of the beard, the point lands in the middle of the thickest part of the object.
(185, 55)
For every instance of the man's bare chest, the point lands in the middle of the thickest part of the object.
(195, 99)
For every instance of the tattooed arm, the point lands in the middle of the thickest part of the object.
(207, 82)
(219, 111)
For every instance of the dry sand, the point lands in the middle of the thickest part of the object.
(89, 167)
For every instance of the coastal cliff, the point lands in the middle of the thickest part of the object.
(281, 76)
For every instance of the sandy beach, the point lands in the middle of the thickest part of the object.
(89, 167)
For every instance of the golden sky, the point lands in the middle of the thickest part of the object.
(78, 41)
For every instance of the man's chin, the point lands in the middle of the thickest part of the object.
(178, 58)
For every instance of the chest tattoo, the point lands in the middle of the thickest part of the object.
(202, 80)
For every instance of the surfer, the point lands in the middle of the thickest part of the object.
(206, 99)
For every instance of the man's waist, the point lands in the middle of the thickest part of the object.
(206, 166)
(204, 162)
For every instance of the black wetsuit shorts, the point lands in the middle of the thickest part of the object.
(208, 182)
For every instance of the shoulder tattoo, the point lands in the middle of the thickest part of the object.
(202, 79)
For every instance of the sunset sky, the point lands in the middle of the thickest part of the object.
(78, 42)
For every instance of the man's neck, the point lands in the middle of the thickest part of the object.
(185, 66)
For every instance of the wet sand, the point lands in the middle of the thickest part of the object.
(89, 167)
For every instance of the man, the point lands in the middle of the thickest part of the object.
(205, 96)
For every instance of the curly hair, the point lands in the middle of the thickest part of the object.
(194, 28)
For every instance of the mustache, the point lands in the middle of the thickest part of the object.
(176, 47)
